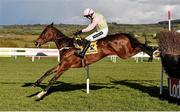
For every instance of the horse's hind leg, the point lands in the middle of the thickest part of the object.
(49, 72)
(150, 59)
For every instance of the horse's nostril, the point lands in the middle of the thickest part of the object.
(35, 42)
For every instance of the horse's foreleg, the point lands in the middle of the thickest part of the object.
(51, 82)
(49, 72)
(61, 68)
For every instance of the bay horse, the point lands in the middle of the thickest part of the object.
(122, 44)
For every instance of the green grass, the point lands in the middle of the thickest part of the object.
(124, 85)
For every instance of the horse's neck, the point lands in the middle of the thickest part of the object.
(64, 42)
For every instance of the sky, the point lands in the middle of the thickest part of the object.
(70, 11)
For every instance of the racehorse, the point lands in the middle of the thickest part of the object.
(121, 44)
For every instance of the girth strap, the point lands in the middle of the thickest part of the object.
(83, 62)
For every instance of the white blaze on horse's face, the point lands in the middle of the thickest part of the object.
(39, 42)
(46, 36)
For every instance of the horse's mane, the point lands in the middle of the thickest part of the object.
(63, 40)
(60, 34)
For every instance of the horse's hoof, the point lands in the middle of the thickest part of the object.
(41, 94)
(156, 53)
(34, 85)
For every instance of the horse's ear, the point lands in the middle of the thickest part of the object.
(52, 23)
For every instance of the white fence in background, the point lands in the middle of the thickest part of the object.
(137, 57)
(29, 52)
(39, 52)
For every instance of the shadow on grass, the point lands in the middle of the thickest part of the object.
(12, 83)
(149, 89)
(65, 87)
(145, 86)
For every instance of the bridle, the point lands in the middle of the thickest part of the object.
(55, 37)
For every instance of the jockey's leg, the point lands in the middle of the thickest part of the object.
(86, 44)
(98, 35)
(93, 37)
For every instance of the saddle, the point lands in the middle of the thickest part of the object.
(79, 45)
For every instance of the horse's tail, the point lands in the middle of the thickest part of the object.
(169, 47)
(144, 47)
(145, 38)
(149, 50)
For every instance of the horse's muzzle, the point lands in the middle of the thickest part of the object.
(37, 44)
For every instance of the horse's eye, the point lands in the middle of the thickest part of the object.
(48, 34)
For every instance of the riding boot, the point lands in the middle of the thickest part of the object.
(86, 45)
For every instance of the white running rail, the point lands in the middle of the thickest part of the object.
(29, 52)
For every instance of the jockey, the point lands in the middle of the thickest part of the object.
(99, 23)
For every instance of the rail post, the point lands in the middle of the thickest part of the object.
(87, 79)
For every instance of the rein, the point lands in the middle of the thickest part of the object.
(64, 48)
(56, 41)
(59, 37)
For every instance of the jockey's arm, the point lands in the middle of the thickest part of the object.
(92, 25)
